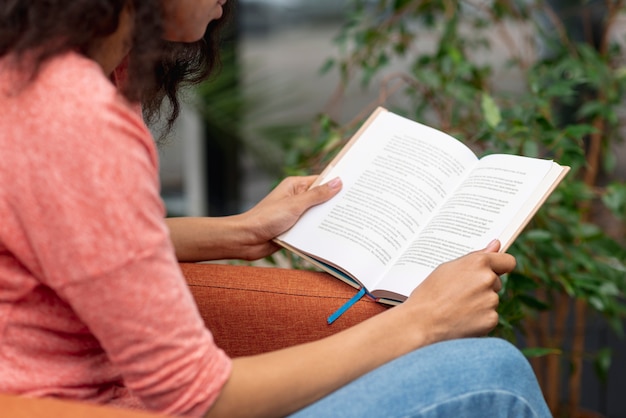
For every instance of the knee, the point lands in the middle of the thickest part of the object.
(505, 357)
(476, 361)
(482, 361)
(501, 370)
(496, 355)
(505, 366)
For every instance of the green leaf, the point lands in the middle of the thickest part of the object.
(531, 149)
(533, 302)
(491, 111)
(602, 363)
(588, 230)
(615, 199)
(329, 64)
(609, 289)
(614, 263)
(540, 351)
(597, 303)
(520, 282)
(538, 235)
(578, 131)
(609, 162)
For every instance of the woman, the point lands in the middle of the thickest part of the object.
(92, 302)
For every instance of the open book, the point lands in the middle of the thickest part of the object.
(412, 198)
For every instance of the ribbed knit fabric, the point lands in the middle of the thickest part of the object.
(93, 305)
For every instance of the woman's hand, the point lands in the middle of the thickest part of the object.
(249, 236)
(280, 210)
(459, 299)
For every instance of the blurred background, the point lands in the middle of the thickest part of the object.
(280, 47)
(274, 54)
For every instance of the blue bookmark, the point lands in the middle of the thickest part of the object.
(346, 306)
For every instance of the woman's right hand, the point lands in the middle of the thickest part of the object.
(459, 299)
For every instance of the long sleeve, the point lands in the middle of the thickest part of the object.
(92, 302)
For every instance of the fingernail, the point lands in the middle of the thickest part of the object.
(334, 183)
(492, 242)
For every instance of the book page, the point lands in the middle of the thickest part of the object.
(395, 176)
(485, 205)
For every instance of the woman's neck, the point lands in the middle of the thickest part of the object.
(110, 51)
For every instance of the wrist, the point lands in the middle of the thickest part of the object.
(404, 329)
(246, 236)
(206, 238)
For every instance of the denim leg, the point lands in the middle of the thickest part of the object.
(472, 378)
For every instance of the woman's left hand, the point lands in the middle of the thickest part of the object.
(280, 210)
(249, 236)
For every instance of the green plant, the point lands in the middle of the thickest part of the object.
(562, 104)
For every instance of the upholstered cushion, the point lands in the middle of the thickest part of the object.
(252, 310)
(12, 406)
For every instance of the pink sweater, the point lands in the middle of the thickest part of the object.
(93, 305)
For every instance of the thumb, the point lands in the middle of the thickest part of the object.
(492, 247)
(501, 263)
(327, 190)
(320, 194)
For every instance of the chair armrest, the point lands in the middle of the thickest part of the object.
(14, 406)
(252, 310)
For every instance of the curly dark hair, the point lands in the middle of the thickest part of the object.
(157, 69)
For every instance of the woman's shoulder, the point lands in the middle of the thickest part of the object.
(66, 86)
(55, 80)
(72, 107)
(80, 82)
(71, 94)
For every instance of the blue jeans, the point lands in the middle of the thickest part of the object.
(481, 377)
